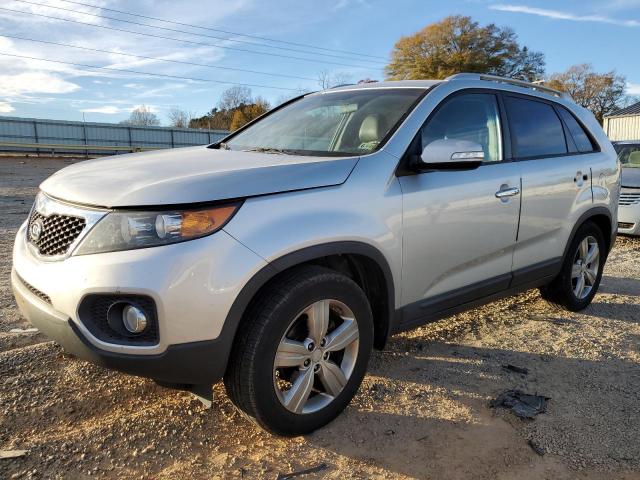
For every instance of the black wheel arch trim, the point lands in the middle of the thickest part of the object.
(592, 212)
(298, 257)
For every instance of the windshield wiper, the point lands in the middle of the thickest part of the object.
(268, 150)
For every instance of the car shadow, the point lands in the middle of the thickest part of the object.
(423, 411)
(620, 286)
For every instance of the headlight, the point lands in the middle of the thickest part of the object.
(127, 230)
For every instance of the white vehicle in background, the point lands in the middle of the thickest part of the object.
(629, 207)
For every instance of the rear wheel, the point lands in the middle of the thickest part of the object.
(303, 351)
(578, 281)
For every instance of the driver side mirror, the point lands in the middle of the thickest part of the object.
(451, 154)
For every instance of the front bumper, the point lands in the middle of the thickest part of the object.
(192, 363)
(629, 216)
(193, 284)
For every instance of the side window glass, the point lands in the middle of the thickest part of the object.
(535, 127)
(474, 117)
(583, 143)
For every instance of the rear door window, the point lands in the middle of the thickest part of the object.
(580, 137)
(536, 129)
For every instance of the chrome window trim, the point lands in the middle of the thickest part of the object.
(46, 205)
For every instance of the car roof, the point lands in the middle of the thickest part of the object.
(469, 79)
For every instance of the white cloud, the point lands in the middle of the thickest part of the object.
(107, 110)
(63, 10)
(49, 85)
(340, 4)
(633, 88)
(166, 90)
(34, 82)
(114, 109)
(5, 107)
(560, 15)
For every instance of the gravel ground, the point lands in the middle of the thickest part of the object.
(422, 412)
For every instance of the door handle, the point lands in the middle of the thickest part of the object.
(508, 192)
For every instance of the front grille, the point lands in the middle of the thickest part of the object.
(625, 225)
(41, 295)
(94, 314)
(58, 232)
(629, 198)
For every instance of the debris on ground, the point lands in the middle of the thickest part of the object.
(23, 330)
(536, 447)
(4, 454)
(318, 468)
(522, 404)
(513, 368)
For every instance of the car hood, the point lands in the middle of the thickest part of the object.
(631, 177)
(190, 175)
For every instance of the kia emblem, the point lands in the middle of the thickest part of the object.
(35, 230)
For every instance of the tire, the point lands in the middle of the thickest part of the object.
(562, 291)
(281, 318)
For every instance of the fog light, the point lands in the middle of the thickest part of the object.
(134, 319)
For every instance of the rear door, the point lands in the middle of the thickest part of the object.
(458, 236)
(556, 182)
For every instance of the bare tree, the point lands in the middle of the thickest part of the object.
(234, 97)
(602, 93)
(143, 117)
(286, 97)
(327, 79)
(179, 118)
(235, 108)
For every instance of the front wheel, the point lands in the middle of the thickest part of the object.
(578, 281)
(303, 351)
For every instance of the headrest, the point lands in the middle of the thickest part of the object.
(371, 129)
(634, 157)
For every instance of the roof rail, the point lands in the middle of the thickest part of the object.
(510, 81)
(341, 85)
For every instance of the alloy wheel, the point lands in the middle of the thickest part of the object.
(586, 265)
(316, 356)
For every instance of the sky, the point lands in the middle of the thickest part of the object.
(350, 39)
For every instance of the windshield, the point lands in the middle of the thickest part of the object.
(332, 123)
(628, 154)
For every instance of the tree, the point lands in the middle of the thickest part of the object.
(286, 97)
(234, 97)
(326, 79)
(179, 118)
(458, 44)
(142, 116)
(245, 113)
(238, 120)
(235, 108)
(602, 93)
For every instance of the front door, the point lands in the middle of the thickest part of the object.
(459, 227)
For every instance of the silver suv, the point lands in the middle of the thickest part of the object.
(278, 258)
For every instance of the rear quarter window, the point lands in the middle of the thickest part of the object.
(580, 136)
(536, 129)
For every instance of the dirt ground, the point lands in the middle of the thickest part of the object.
(422, 411)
